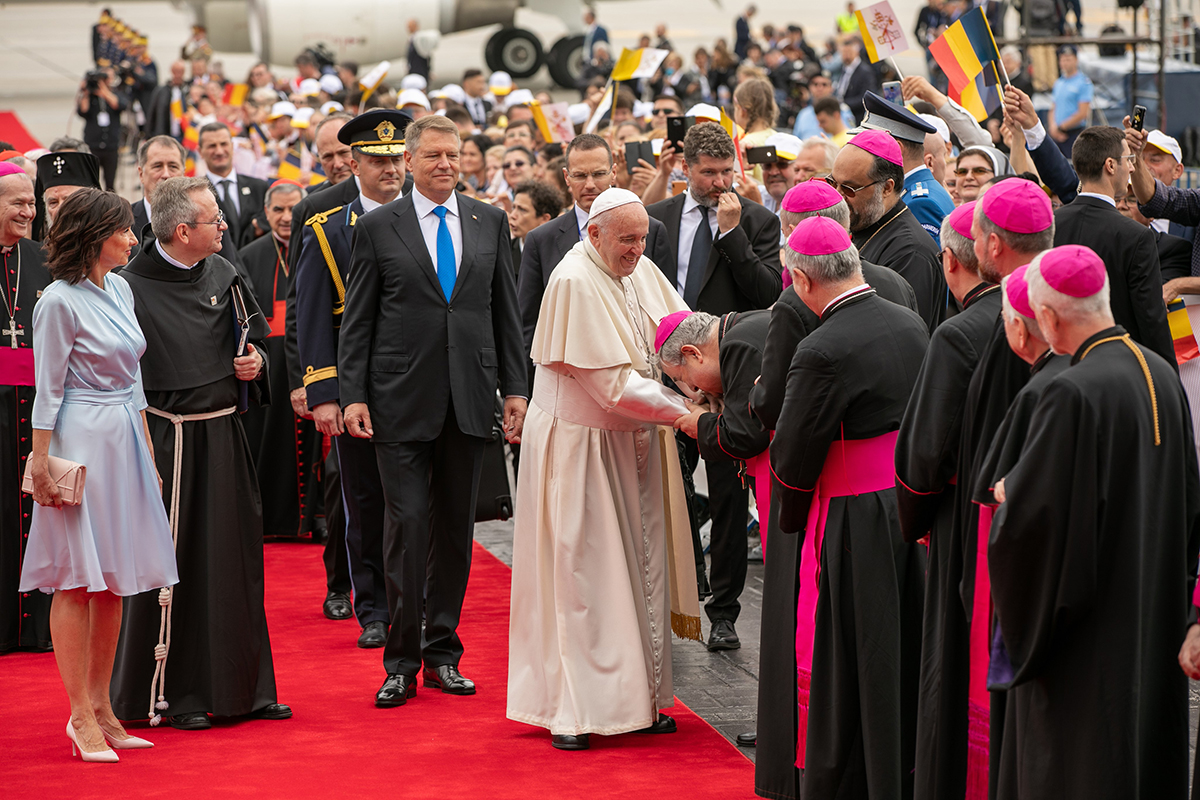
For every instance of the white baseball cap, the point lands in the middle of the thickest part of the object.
(309, 87)
(414, 81)
(283, 108)
(452, 91)
(331, 84)
(943, 130)
(302, 117)
(1168, 144)
(519, 97)
(413, 97)
(501, 83)
(786, 146)
(704, 111)
(331, 107)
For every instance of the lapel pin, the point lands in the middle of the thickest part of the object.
(213, 299)
(245, 190)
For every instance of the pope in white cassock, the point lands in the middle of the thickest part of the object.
(600, 523)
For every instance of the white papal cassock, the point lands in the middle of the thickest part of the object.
(590, 631)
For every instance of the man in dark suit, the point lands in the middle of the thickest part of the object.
(724, 256)
(475, 86)
(431, 325)
(320, 278)
(741, 32)
(159, 121)
(1101, 159)
(158, 158)
(241, 197)
(594, 34)
(589, 172)
(858, 75)
(339, 189)
(1174, 252)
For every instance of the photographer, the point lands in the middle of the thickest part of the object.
(101, 106)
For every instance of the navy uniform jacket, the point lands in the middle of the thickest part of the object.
(320, 279)
(928, 200)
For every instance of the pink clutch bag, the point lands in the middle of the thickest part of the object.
(67, 474)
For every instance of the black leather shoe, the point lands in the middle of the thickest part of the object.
(664, 724)
(396, 690)
(273, 711)
(374, 635)
(723, 636)
(747, 739)
(199, 721)
(448, 679)
(568, 742)
(337, 606)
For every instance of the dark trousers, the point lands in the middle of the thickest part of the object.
(362, 497)
(430, 489)
(729, 503)
(108, 165)
(336, 558)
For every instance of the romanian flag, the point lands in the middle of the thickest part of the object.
(1181, 331)
(967, 53)
(235, 94)
(298, 166)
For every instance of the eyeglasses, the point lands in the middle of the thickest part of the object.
(580, 177)
(977, 172)
(515, 164)
(220, 220)
(848, 191)
(663, 111)
(1130, 158)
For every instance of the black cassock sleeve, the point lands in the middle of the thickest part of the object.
(813, 408)
(1006, 447)
(735, 433)
(260, 329)
(789, 325)
(927, 447)
(1043, 552)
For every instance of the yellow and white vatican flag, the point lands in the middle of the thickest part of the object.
(640, 63)
(370, 82)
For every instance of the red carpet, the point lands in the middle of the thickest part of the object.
(338, 745)
(12, 130)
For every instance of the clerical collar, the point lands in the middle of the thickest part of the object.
(982, 290)
(167, 257)
(1115, 332)
(837, 302)
(6, 249)
(1041, 361)
(1099, 196)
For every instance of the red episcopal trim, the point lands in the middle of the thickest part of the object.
(783, 482)
(914, 491)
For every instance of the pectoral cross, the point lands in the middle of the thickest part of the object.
(12, 333)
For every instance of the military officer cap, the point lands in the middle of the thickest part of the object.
(379, 132)
(896, 120)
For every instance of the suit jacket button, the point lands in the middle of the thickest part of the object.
(451, 309)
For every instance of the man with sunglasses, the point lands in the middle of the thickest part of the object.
(1103, 162)
(869, 172)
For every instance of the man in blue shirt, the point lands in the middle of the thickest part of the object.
(1072, 107)
(819, 85)
(925, 197)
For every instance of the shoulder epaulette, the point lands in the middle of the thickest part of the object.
(323, 216)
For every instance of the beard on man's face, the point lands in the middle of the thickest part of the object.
(871, 213)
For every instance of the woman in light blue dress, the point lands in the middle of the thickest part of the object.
(117, 542)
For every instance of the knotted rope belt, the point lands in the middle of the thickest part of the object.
(166, 595)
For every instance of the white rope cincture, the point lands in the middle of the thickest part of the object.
(166, 595)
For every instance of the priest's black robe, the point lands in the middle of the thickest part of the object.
(733, 433)
(1093, 559)
(775, 773)
(850, 380)
(220, 654)
(926, 488)
(287, 448)
(791, 321)
(24, 616)
(1130, 254)
(897, 241)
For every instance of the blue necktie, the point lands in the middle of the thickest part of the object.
(445, 254)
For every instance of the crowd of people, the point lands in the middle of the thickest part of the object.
(935, 350)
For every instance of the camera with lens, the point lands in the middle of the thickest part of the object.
(94, 78)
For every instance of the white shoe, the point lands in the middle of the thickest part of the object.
(102, 756)
(130, 743)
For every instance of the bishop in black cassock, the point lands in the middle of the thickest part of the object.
(926, 491)
(848, 385)
(24, 616)
(1093, 560)
(775, 773)
(287, 448)
(219, 657)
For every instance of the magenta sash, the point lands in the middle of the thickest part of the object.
(759, 467)
(979, 700)
(16, 366)
(852, 467)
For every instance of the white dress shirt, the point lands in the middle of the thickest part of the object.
(1098, 196)
(367, 203)
(429, 225)
(230, 181)
(581, 219)
(1160, 225)
(689, 223)
(148, 217)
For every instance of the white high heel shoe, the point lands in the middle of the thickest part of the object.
(103, 756)
(132, 743)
